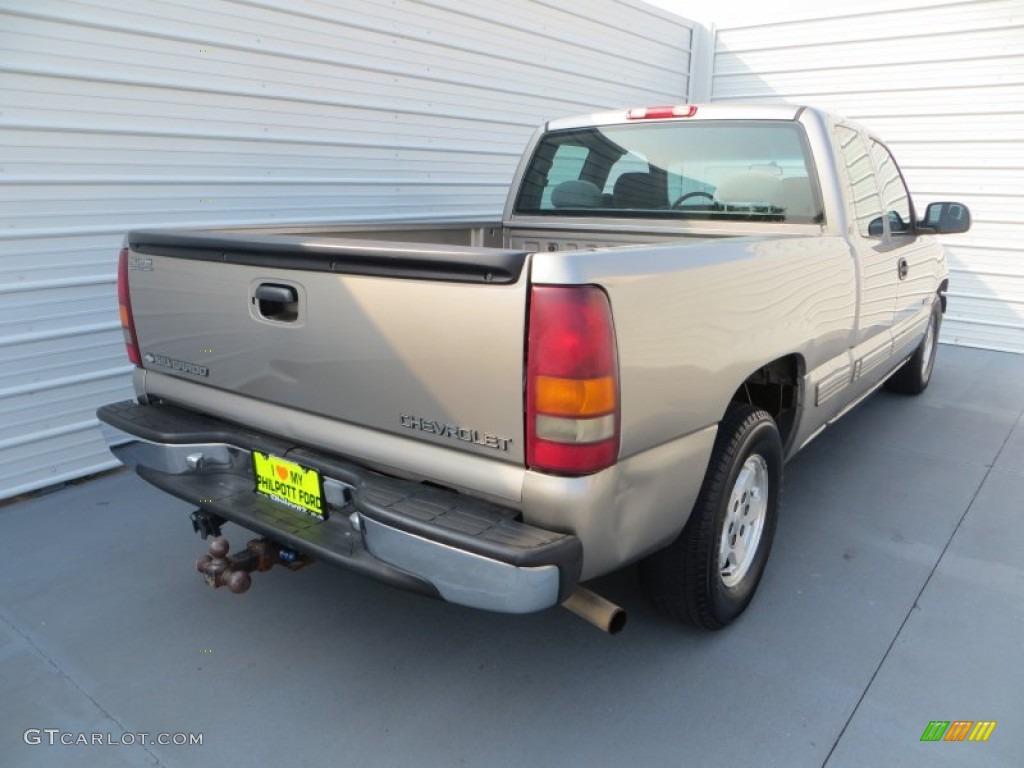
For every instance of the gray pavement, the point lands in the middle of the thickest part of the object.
(895, 596)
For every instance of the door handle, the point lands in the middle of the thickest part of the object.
(902, 268)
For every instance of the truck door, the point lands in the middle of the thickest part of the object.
(877, 275)
(914, 259)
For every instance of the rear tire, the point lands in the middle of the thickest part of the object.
(709, 574)
(913, 376)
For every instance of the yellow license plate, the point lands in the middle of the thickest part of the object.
(288, 483)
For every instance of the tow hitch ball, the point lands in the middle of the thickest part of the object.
(232, 571)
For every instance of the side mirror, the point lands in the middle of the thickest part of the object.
(946, 219)
(875, 228)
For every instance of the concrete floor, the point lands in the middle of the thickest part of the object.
(895, 596)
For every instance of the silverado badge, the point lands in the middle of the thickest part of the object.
(184, 366)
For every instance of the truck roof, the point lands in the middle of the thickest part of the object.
(721, 111)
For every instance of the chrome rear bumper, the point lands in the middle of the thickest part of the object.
(426, 539)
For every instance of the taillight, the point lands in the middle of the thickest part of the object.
(659, 113)
(124, 302)
(572, 384)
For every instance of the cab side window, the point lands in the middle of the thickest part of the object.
(894, 192)
(867, 203)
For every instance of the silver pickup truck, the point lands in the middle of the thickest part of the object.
(676, 301)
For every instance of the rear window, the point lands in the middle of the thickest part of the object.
(754, 170)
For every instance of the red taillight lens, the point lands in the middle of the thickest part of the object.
(572, 381)
(124, 302)
(660, 113)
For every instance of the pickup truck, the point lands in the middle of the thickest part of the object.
(675, 301)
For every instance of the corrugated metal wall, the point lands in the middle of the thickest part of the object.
(208, 112)
(943, 84)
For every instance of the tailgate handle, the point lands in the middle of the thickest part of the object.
(277, 302)
(277, 294)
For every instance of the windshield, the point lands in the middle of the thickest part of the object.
(714, 169)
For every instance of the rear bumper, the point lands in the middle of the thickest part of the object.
(430, 540)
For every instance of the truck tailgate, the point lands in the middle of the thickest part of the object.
(423, 341)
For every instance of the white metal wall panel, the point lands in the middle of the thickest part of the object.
(943, 84)
(217, 112)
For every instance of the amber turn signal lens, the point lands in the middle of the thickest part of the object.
(575, 397)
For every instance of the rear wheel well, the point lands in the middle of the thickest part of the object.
(775, 387)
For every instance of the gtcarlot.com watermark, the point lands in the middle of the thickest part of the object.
(54, 736)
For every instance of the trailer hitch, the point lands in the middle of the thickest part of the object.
(232, 571)
(206, 523)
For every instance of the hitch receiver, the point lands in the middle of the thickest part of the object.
(232, 571)
(206, 523)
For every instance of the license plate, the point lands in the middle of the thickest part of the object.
(289, 483)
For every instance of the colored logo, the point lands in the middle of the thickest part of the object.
(958, 730)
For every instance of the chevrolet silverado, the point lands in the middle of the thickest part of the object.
(675, 301)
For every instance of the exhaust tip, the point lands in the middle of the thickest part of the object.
(617, 622)
(602, 613)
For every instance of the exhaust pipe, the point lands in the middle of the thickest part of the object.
(603, 614)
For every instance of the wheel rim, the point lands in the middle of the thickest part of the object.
(929, 349)
(744, 521)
